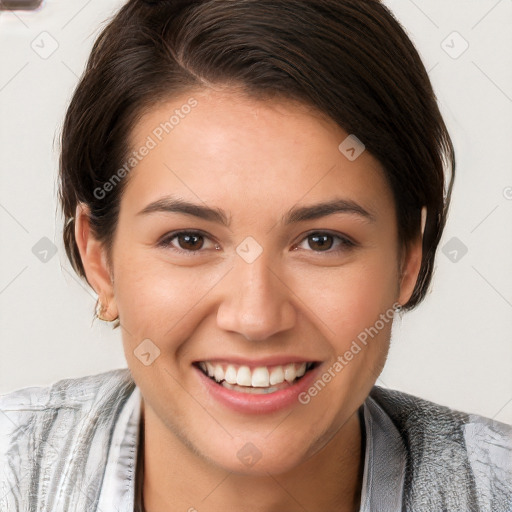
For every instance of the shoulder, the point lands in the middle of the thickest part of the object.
(65, 428)
(414, 415)
(454, 458)
(77, 394)
(64, 402)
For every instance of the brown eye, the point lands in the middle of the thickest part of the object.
(320, 242)
(326, 242)
(190, 242)
(187, 242)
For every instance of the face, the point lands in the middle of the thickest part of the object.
(249, 247)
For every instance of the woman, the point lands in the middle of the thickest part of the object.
(253, 189)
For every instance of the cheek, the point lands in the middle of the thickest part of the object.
(350, 298)
(354, 309)
(155, 298)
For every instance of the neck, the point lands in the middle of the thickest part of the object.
(176, 478)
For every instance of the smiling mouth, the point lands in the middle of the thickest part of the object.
(258, 380)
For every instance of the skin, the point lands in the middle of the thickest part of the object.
(255, 160)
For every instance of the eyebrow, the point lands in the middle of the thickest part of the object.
(170, 204)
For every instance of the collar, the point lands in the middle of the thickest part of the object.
(384, 463)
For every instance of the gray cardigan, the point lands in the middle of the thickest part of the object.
(73, 447)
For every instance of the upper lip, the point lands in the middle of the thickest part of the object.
(254, 363)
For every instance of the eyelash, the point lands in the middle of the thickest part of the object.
(344, 242)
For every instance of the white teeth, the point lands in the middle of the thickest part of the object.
(210, 369)
(230, 374)
(219, 373)
(260, 377)
(276, 375)
(250, 390)
(301, 370)
(289, 373)
(243, 377)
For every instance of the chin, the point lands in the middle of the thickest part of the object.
(258, 456)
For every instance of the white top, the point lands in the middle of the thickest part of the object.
(73, 446)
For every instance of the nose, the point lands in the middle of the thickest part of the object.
(256, 302)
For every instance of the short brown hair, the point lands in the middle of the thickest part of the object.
(350, 59)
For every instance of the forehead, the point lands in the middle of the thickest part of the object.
(226, 148)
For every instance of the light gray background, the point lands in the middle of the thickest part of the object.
(456, 349)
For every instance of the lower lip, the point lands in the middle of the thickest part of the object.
(258, 403)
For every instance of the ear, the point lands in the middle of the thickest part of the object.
(410, 266)
(94, 260)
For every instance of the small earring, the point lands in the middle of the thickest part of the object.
(100, 308)
(99, 312)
